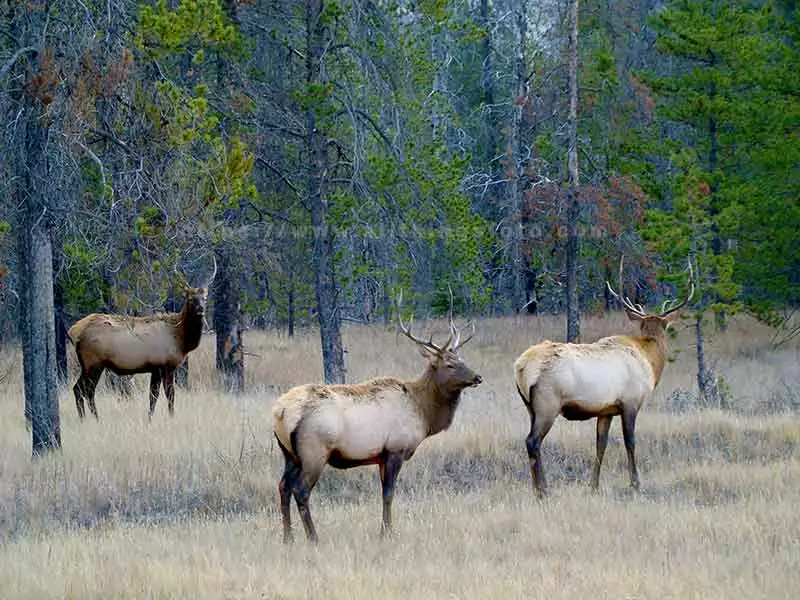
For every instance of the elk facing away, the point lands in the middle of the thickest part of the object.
(126, 345)
(381, 421)
(609, 377)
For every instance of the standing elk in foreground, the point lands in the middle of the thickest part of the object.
(155, 344)
(380, 421)
(609, 377)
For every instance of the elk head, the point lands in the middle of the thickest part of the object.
(195, 298)
(450, 372)
(652, 325)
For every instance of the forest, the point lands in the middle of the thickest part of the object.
(321, 157)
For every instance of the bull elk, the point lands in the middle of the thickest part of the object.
(609, 377)
(155, 344)
(380, 422)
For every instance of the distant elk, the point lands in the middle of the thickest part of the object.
(609, 377)
(378, 422)
(155, 344)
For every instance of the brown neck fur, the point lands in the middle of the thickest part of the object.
(436, 406)
(653, 344)
(189, 329)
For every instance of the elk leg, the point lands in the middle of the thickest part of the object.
(539, 429)
(155, 382)
(310, 468)
(291, 471)
(79, 395)
(628, 426)
(603, 425)
(89, 386)
(169, 389)
(389, 469)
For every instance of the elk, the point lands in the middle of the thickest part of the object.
(155, 344)
(609, 377)
(381, 421)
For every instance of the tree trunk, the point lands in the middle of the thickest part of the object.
(573, 209)
(323, 250)
(36, 197)
(487, 87)
(706, 384)
(290, 312)
(60, 317)
(39, 345)
(514, 219)
(229, 353)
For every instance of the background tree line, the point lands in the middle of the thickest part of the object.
(326, 154)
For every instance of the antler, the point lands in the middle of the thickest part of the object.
(454, 331)
(667, 308)
(407, 331)
(637, 309)
(457, 344)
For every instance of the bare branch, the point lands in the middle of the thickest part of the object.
(14, 57)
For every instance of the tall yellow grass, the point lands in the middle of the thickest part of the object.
(186, 507)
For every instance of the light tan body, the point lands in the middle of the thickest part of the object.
(359, 421)
(136, 343)
(582, 381)
(381, 421)
(609, 377)
(126, 345)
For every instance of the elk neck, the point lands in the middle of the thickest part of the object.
(654, 348)
(190, 329)
(436, 406)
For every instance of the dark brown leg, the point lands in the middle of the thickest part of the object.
(539, 429)
(169, 389)
(303, 484)
(89, 386)
(291, 473)
(389, 470)
(155, 382)
(79, 395)
(628, 427)
(603, 425)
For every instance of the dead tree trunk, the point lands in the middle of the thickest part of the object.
(36, 261)
(573, 207)
(60, 318)
(323, 238)
(515, 188)
(229, 354)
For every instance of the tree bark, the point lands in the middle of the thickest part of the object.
(35, 196)
(323, 238)
(706, 385)
(229, 352)
(517, 283)
(573, 208)
(487, 86)
(290, 312)
(39, 343)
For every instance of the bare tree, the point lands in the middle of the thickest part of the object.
(323, 250)
(33, 88)
(573, 206)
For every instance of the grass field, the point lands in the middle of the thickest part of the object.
(186, 507)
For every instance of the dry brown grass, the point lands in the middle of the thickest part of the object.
(186, 507)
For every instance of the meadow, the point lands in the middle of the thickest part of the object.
(186, 507)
